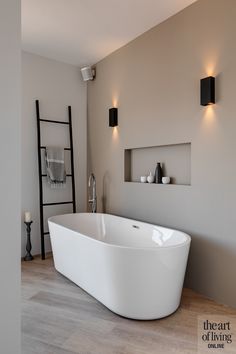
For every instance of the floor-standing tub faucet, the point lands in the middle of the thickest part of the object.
(93, 200)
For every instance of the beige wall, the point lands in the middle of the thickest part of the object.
(155, 81)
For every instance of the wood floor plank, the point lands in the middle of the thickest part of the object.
(82, 307)
(33, 346)
(60, 318)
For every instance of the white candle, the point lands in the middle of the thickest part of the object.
(27, 216)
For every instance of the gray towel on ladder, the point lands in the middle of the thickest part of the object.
(55, 165)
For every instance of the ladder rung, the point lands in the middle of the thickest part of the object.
(44, 147)
(46, 233)
(53, 121)
(46, 204)
(46, 175)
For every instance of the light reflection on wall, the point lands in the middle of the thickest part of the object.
(210, 60)
(115, 133)
(209, 113)
(209, 121)
(115, 101)
(210, 69)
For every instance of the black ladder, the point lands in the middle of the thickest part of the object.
(41, 175)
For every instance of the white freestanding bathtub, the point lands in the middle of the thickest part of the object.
(133, 268)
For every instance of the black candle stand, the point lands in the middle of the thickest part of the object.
(28, 256)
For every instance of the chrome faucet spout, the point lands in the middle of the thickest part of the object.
(93, 199)
(91, 178)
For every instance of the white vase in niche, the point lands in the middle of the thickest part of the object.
(150, 178)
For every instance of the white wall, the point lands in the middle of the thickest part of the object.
(56, 85)
(10, 176)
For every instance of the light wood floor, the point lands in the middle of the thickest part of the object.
(60, 318)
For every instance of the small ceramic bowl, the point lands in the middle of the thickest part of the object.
(143, 179)
(150, 179)
(165, 180)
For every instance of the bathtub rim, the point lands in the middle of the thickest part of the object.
(187, 242)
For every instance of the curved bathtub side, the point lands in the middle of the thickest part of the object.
(134, 283)
(148, 285)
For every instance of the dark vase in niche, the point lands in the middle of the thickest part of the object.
(158, 173)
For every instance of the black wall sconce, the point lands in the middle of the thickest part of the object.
(113, 117)
(207, 91)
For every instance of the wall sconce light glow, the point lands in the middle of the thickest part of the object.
(115, 133)
(209, 120)
(115, 102)
(113, 117)
(210, 70)
(207, 91)
(209, 114)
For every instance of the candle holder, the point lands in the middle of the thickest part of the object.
(28, 256)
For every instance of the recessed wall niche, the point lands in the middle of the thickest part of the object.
(175, 159)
